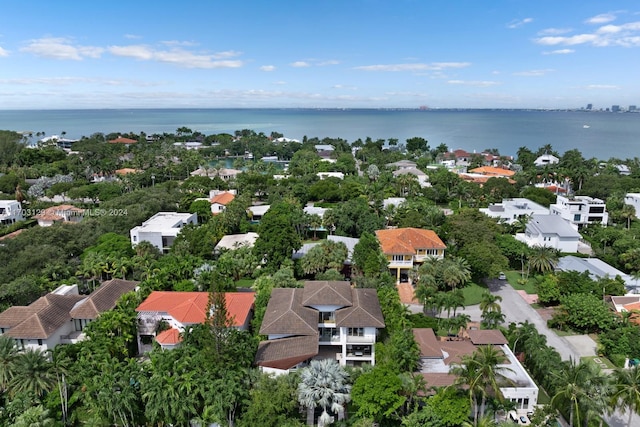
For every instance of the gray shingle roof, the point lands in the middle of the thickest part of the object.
(327, 293)
(285, 353)
(551, 224)
(45, 316)
(365, 311)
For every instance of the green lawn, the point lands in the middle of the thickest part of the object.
(529, 287)
(245, 283)
(603, 362)
(473, 294)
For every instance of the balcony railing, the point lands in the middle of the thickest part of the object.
(403, 262)
(359, 339)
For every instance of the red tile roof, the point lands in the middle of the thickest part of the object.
(122, 140)
(191, 307)
(489, 170)
(169, 337)
(406, 241)
(223, 198)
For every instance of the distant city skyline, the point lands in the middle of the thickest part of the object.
(320, 54)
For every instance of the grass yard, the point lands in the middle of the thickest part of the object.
(529, 287)
(473, 294)
(603, 362)
(245, 283)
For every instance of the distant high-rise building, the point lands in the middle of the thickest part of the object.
(589, 106)
(615, 108)
(632, 108)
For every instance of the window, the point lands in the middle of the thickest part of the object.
(356, 332)
(135, 238)
(576, 217)
(39, 342)
(327, 317)
(398, 257)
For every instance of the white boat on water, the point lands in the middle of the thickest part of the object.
(586, 126)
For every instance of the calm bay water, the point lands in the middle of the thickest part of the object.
(607, 135)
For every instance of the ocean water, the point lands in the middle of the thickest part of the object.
(596, 134)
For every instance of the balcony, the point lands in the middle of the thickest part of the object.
(367, 339)
(404, 263)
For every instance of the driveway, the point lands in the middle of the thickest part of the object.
(517, 310)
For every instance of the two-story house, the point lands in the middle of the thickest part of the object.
(580, 210)
(220, 200)
(161, 229)
(323, 320)
(512, 210)
(163, 316)
(10, 212)
(406, 247)
(633, 199)
(551, 231)
(60, 316)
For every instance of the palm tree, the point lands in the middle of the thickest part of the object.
(427, 295)
(571, 392)
(8, 354)
(490, 302)
(323, 384)
(626, 395)
(485, 421)
(33, 373)
(456, 272)
(36, 416)
(467, 375)
(543, 259)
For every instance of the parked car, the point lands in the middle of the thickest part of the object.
(524, 420)
(502, 276)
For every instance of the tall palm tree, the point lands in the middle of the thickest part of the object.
(543, 259)
(8, 354)
(323, 384)
(571, 393)
(467, 375)
(33, 373)
(456, 272)
(490, 302)
(626, 384)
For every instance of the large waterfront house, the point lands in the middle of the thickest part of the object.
(161, 229)
(551, 231)
(323, 320)
(60, 316)
(438, 355)
(580, 210)
(407, 247)
(10, 212)
(512, 210)
(165, 315)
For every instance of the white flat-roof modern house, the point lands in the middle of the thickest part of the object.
(10, 212)
(580, 210)
(633, 199)
(552, 231)
(161, 229)
(511, 210)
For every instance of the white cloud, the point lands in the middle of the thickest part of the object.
(478, 83)
(603, 18)
(328, 62)
(558, 52)
(436, 66)
(626, 35)
(267, 68)
(178, 43)
(3, 52)
(132, 36)
(533, 73)
(61, 48)
(178, 57)
(603, 87)
(554, 31)
(300, 64)
(227, 54)
(516, 23)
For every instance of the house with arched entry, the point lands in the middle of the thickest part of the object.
(407, 247)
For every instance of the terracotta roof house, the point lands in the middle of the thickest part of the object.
(320, 321)
(406, 247)
(439, 354)
(45, 322)
(127, 171)
(122, 140)
(181, 309)
(220, 201)
(492, 171)
(60, 213)
(102, 299)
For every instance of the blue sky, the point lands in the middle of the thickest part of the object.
(319, 53)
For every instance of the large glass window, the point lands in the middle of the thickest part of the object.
(327, 317)
(356, 332)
